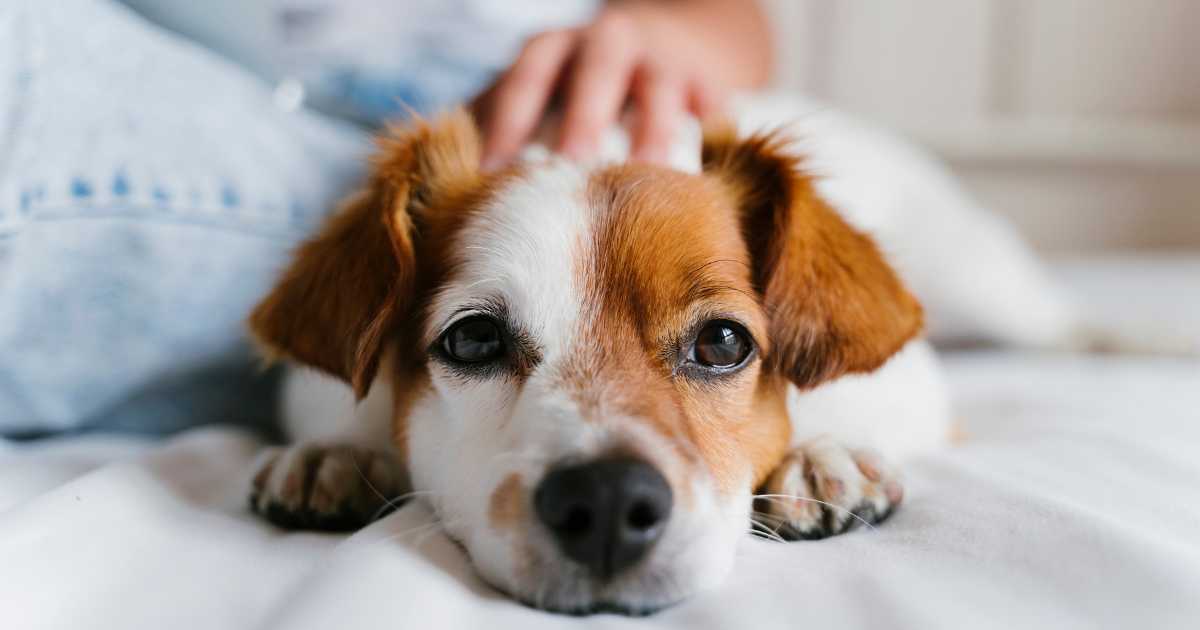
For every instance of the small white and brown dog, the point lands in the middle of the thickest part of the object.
(600, 377)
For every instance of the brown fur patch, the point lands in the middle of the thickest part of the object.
(507, 507)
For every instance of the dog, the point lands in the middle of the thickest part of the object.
(600, 377)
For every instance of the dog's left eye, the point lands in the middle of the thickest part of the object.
(473, 340)
(721, 344)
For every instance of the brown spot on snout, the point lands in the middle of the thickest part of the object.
(507, 506)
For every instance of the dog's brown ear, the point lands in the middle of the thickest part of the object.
(350, 284)
(834, 305)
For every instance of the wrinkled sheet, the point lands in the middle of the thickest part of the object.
(1073, 503)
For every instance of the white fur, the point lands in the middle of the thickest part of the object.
(317, 408)
(901, 409)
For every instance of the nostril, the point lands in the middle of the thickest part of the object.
(642, 516)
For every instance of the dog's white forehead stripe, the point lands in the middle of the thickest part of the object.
(523, 248)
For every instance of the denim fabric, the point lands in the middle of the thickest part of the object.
(149, 193)
(369, 60)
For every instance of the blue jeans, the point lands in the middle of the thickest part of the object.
(149, 194)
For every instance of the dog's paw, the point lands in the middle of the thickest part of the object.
(823, 489)
(333, 487)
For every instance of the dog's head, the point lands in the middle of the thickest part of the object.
(590, 365)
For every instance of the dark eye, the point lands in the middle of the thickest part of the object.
(721, 344)
(473, 340)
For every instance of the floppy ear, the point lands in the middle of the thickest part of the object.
(349, 285)
(834, 305)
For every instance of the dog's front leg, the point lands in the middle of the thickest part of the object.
(822, 488)
(340, 472)
(324, 486)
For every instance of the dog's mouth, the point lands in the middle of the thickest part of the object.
(597, 608)
(573, 605)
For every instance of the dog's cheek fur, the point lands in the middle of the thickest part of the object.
(744, 435)
(473, 457)
(410, 382)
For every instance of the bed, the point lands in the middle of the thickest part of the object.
(1074, 502)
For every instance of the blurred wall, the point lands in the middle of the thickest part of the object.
(1079, 119)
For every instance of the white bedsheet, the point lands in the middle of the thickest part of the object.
(1075, 503)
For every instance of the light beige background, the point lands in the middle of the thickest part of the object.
(1079, 119)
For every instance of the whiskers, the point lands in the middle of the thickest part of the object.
(413, 538)
(782, 499)
(760, 529)
(426, 529)
(389, 505)
(394, 503)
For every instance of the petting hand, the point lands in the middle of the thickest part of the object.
(663, 57)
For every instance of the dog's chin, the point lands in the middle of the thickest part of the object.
(600, 607)
(641, 605)
(571, 592)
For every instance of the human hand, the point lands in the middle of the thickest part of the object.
(664, 59)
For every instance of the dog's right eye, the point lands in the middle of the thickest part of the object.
(474, 340)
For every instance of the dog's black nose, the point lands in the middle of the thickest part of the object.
(605, 514)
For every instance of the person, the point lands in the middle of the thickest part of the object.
(159, 159)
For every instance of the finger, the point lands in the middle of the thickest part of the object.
(659, 99)
(519, 98)
(601, 82)
(482, 105)
(706, 101)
